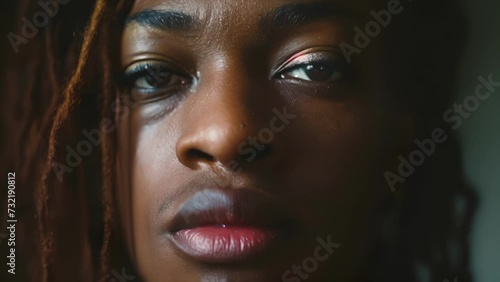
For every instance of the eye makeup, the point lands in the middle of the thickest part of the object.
(315, 65)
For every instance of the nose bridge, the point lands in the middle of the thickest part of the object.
(226, 110)
(227, 87)
(229, 97)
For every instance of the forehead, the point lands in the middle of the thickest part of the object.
(244, 10)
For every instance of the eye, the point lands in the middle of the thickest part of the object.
(315, 72)
(320, 67)
(152, 80)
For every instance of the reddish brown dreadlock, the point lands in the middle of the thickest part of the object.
(57, 118)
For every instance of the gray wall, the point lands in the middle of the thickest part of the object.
(481, 135)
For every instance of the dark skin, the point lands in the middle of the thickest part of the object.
(219, 77)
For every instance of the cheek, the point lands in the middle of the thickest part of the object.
(153, 165)
(153, 176)
(338, 162)
(345, 139)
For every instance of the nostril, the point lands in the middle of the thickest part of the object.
(195, 154)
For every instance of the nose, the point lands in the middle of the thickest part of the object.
(222, 120)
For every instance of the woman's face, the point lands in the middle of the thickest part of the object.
(252, 151)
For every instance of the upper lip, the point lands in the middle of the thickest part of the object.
(232, 207)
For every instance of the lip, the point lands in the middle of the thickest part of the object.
(229, 226)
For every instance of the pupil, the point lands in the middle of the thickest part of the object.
(318, 72)
(151, 80)
(157, 79)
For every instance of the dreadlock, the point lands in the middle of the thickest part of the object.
(59, 116)
(69, 102)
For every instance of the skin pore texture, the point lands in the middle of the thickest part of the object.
(251, 100)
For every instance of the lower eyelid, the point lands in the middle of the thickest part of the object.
(148, 96)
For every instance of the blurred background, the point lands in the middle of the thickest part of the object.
(481, 136)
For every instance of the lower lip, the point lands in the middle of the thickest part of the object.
(219, 244)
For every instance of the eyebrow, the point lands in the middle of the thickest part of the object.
(162, 19)
(293, 14)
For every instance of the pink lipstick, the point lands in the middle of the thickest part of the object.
(228, 226)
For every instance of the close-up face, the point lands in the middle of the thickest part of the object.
(249, 140)
(254, 150)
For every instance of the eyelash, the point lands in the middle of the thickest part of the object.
(312, 61)
(157, 74)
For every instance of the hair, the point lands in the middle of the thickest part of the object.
(46, 103)
(65, 80)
